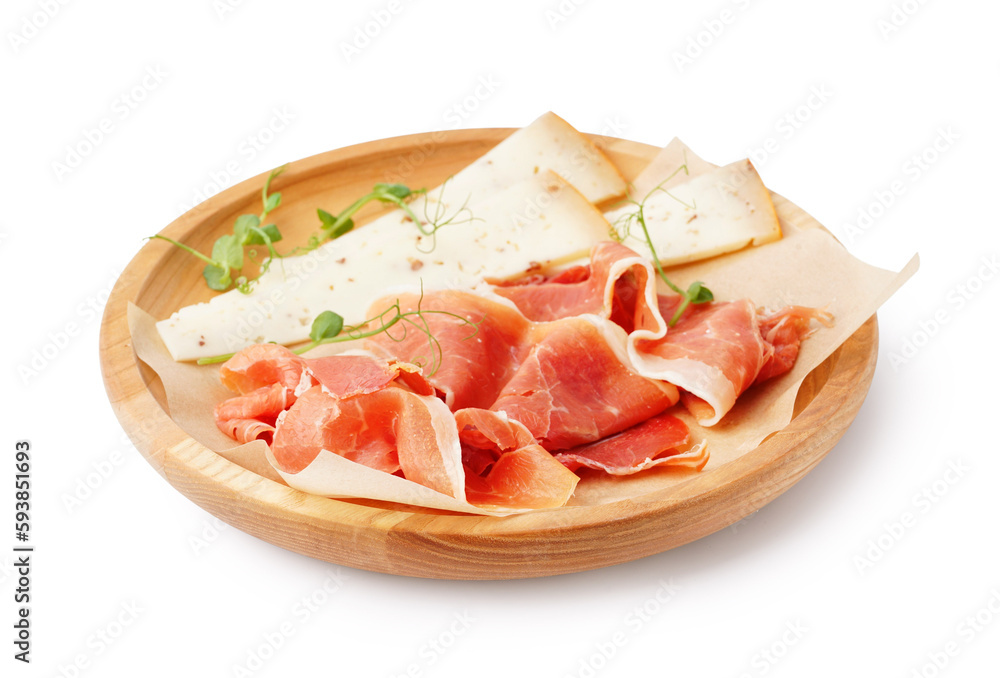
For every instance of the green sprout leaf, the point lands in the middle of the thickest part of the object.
(327, 325)
(396, 190)
(255, 238)
(217, 278)
(243, 225)
(699, 294)
(228, 252)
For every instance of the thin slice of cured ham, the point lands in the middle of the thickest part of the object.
(567, 381)
(573, 386)
(714, 352)
(375, 412)
(390, 430)
(262, 365)
(617, 284)
(718, 350)
(347, 375)
(252, 415)
(505, 467)
(266, 376)
(660, 440)
(477, 343)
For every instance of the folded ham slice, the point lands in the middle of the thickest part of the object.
(379, 413)
(567, 381)
(658, 441)
(506, 467)
(713, 353)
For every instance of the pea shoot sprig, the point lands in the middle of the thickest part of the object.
(696, 293)
(224, 267)
(334, 226)
(329, 328)
(400, 195)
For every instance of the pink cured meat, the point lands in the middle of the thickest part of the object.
(505, 466)
(389, 430)
(371, 411)
(715, 351)
(617, 284)
(718, 350)
(657, 441)
(478, 356)
(564, 380)
(572, 388)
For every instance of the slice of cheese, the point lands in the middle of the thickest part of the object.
(547, 143)
(674, 164)
(285, 300)
(539, 222)
(722, 210)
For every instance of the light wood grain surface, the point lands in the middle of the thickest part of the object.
(425, 543)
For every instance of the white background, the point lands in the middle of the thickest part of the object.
(822, 582)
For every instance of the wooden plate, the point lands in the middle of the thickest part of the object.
(420, 542)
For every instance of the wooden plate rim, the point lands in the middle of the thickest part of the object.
(239, 496)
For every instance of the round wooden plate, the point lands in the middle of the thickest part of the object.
(420, 542)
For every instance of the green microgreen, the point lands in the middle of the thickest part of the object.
(224, 267)
(335, 225)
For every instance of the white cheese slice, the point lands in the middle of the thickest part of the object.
(540, 222)
(723, 210)
(674, 164)
(285, 300)
(547, 143)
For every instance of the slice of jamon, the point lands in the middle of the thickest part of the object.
(504, 467)
(565, 380)
(574, 388)
(251, 416)
(389, 430)
(660, 440)
(718, 350)
(617, 284)
(471, 343)
(714, 353)
(785, 330)
(356, 405)
(347, 375)
(262, 365)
